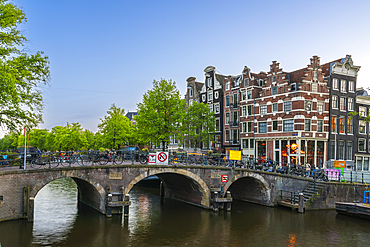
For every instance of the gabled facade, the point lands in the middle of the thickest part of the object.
(361, 147)
(285, 115)
(231, 88)
(342, 81)
(212, 95)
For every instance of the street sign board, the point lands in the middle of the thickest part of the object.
(224, 178)
(235, 155)
(152, 159)
(162, 158)
(340, 164)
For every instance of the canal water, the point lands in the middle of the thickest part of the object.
(60, 221)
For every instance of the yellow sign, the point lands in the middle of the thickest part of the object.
(235, 155)
(339, 164)
(115, 175)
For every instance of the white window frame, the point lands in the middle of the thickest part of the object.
(335, 84)
(334, 102)
(210, 95)
(263, 109)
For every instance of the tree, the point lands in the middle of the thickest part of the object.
(21, 74)
(198, 124)
(160, 112)
(115, 127)
(37, 138)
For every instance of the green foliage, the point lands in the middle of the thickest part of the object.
(115, 127)
(198, 124)
(160, 112)
(21, 74)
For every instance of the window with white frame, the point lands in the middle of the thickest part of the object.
(349, 125)
(275, 107)
(341, 150)
(320, 106)
(204, 98)
(246, 82)
(245, 143)
(334, 102)
(244, 110)
(274, 125)
(190, 92)
(288, 125)
(227, 99)
(362, 127)
(244, 127)
(244, 95)
(343, 86)
(361, 145)
(217, 128)
(227, 135)
(227, 118)
(350, 104)
(210, 96)
(342, 104)
(274, 78)
(349, 150)
(262, 127)
(217, 108)
(351, 86)
(210, 107)
(362, 110)
(216, 95)
(228, 85)
(209, 82)
(320, 125)
(263, 109)
(307, 125)
(274, 90)
(249, 110)
(308, 105)
(262, 82)
(249, 127)
(335, 84)
(249, 94)
(333, 124)
(287, 106)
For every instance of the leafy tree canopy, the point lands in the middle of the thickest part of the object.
(21, 74)
(115, 127)
(160, 112)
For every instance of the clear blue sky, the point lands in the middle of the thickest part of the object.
(105, 52)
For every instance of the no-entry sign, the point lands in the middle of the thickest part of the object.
(162, 158)
(224, 178)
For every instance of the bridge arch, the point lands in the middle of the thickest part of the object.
(179, 184)
(90, 192)
(251, 187)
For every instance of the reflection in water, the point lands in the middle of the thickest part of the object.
(60, 221)
(55, 212)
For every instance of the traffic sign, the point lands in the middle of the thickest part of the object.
(152, 159)
(224, 178)
(162, 158)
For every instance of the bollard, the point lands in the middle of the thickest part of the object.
(109, 209)
(126, 207)
(228, 204)
(300, 203)
(31, 204)
(215, 204)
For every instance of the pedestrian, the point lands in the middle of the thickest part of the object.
(308, 169)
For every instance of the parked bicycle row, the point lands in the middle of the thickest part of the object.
(117, 157)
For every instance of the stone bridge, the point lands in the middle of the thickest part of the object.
(97, 185)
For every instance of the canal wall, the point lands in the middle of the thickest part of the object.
(336, 192)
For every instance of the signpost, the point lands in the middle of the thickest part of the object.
(162, 158)
(152, 158)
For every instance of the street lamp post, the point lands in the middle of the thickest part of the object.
(254, 138)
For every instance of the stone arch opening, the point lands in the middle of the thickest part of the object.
(89, 192)
(181, 185)
(251, 188)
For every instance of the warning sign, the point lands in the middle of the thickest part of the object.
(235, 155)
(162, 158)
(224, 178)
(152, 159)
